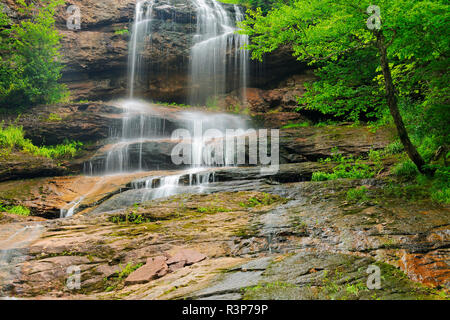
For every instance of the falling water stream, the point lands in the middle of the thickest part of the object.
(216, 53)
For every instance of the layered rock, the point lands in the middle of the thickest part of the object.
(96, 56)
(306, 241)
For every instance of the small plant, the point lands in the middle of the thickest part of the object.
(129, 268)
(18, 210)
(111, 284)
(121, 32)
(264, 199)
(53, 117)
(394, 148)
(350, 167)
(357, 194)
(406, 169)
(296, 125)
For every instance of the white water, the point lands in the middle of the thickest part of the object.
(162, 187)
(65, 213)
(217, 52)
(140, 37)
(12, 250)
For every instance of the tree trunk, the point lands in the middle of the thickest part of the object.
(393, 105)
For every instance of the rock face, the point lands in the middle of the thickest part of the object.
(18, 165)
(308, 243)
(96, 56)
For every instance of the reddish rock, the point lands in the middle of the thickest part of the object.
(154, 268)
(177, 266)
(189, 256)
(256, 100)
(430, 269)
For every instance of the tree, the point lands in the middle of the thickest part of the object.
(30, 68)
(328, 31)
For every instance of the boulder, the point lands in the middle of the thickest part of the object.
(154, 268)
(187, 256)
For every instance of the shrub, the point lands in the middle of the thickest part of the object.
(357, 194)
(13, 138)
(406, 169)
(18, 210)
(30, 64)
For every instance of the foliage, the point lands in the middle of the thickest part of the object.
(212, 210)
(120, 275)
(131, 217)
(296, 125)
(13, 138)
(30, 66)
(53, 117)
(18, 210)
(350, 167)
(357, 194)
(264, 5)
(344, 93)
(332, 36)
(405, 169)
(121, 32)
(264, 199)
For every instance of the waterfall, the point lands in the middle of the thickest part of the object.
(161, 187)
(243, 55)
(217, 53)
(140, 37)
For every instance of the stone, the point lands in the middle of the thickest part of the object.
(153, 269)
(177, 266)
(187, 255)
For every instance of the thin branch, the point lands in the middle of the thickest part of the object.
(393, 37)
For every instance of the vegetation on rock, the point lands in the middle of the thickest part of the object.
(333, 36)
(12, 138)
(30, 65)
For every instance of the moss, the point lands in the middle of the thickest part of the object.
(267, 289)
(246, 232)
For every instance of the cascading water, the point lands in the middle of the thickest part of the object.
(125, 152)
(140, 37)
(217, 53)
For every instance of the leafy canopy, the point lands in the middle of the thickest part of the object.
(333, 36)
(30, 64)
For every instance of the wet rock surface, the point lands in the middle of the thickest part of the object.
(305, 242)
(247, 233)
(95, 57)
